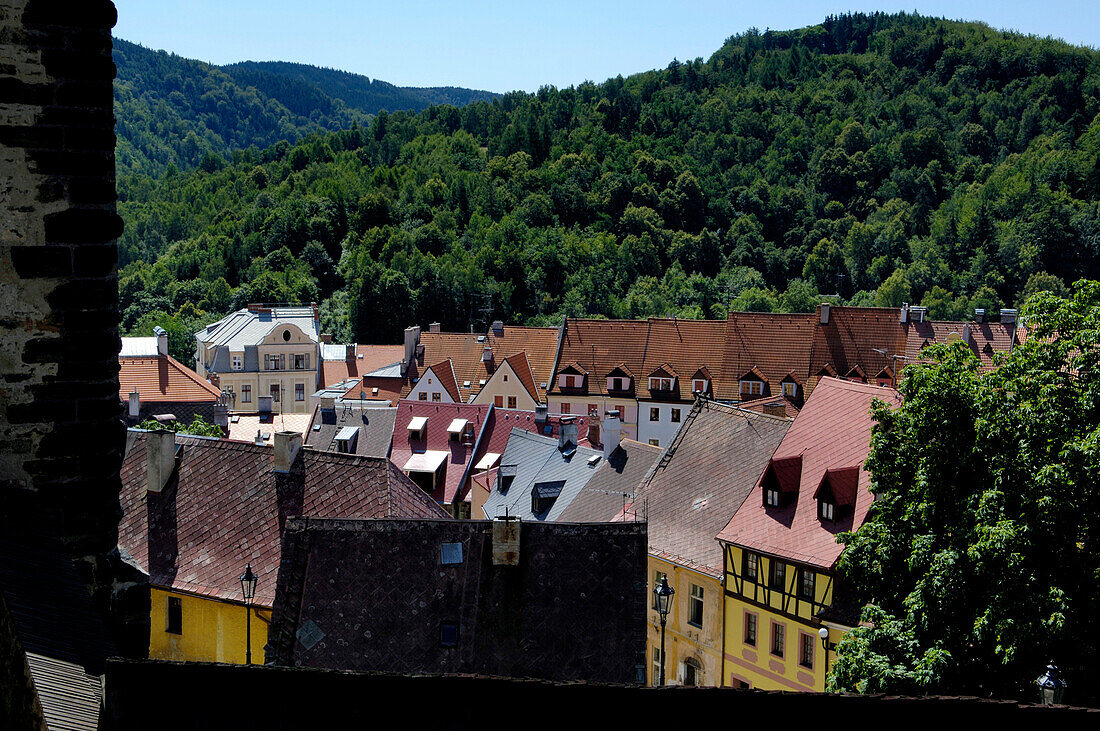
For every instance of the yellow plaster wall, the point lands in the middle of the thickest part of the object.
(684, 640)
(213, 631)
(497, 386)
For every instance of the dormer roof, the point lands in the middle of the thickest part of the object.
(754, 373)
(620, 371)
(664, 371)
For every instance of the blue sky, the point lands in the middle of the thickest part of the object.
(503, 46)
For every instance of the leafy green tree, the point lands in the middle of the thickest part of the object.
(199, 427)
(979, 557)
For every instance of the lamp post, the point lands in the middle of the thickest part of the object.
(662, 594)
(823, 633)
(248, 588)
(1051, 686)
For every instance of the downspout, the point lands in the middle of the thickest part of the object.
(722, 638)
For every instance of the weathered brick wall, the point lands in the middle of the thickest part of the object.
(60, 427)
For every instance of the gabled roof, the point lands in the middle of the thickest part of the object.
(221, 509)
(598, 347)
(620, 369)
(365, 359)
(701, 372)
(375, 428)
(162, 378)
(445, 372)
(773, 344)
(832, 432)
(752, 373)
(612, 489)
(539, 460)
(463, 455)
(573, 367)
(986, 338)
(707, 471)
(376, 388)
(841, 484)
(522, 367)
(664, 369)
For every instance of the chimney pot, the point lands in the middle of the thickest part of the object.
(287, 446)
(433, 327)
(135, 404)
(979, 315)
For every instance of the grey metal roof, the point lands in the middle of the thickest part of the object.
(393, 370)
(138, 347)
(333, 351)
(375, 427)
(539, 463)
(243, 328)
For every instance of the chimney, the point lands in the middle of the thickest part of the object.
(1008, 317)
(349, 351)
(433, 327)
(506, 541)
(824, 313)
(487, 354)
(612, 433)
(979, 315)
(498, 327)
(966, 332)
(264, 404)
(160, 458)
(904, 317)
(542, 412)
(259, 437)
(567, 432)
(287, 445)
(162, 340)
(316, 314)
(412, 337)
(221, 413)
(135, 404)
(775, 409)
(255, 307)
(328, 403)
(918, 313)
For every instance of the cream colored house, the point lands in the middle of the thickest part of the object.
(511, 386)
(260, 352)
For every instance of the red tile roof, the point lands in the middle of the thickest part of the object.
(985, 338)
(522, 366)
(598, 347)
(162, 378)
(389, 389)
(866, 338)
(461, 458)
(221, 510)
(367, 358)
(773, 344)
(681, 347)
(832, 432)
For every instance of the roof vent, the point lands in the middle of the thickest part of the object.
(498, 326)
(487, 354)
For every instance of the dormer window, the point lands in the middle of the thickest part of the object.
(417, 426)
(837, 492)
(825, 509)
(790, 390)
(781, 480)
(660, 384)
(567, 380)
(238, 361)
(346, 439)
(771, 497)
(618, 383)
(699, 385)
(752, 388)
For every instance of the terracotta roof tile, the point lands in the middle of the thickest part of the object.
(773, 344)
(866, 338)
(832, 432)
(162, 378)
(389, 389)
(984, 338)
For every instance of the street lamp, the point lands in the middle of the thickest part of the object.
(823, 633)
(662, 595)
(1051, 686)
(248, 588)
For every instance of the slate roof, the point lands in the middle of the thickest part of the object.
(162, 378)
(63, 636)
(612, 489)
(465, 350)
(538, 460)
(224, 506)
(454, 485)
(833, 431)
(248, 327)
(375, 428)
(366, 359)
(570, 610)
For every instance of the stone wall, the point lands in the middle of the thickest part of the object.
(60, 428)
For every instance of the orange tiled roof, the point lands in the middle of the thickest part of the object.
(832, 432)
(389, 389)
(522, 366)
(985, 338)
(851, 337)
(684, 347)
(367, 358)
(773, 344)
(162, 378)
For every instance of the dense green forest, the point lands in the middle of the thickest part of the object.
(877, 158)
(185, 113)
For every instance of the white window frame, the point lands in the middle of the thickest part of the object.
(699, 385)
(790, 390)
(771, 497)
(826, 510)
(299, 392)
(246, 393)
(238, 361)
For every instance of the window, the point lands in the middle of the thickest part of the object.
(299, 392)
(806, 584)
(806, 650)
(779, 639)
(621, 411)
(246, 394)
(498, 401)
(825, 509)
(655, 442)
(448, 634)
(299, 362)
(660, 384)
(593, 410)
(436, 396)
(618, 384)
(511, 402)
(778, 578)
(675, 416)
(696, 616)
(567, 408)
(693, 672)
(567, 381)
(699, 385)
(173, 620)
(654, 414)
(790, 390)
(275, 392)
(750, 566)
(750, 629)
(657, 576)
(506, 378)
(238, 364)
(423, 395)
(656, 666)
(771, 497)
(752, 388)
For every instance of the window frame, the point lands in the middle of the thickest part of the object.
(802, 586)
(237, 362)
(246, 393)
(437, 397)
(696, 605)
(755, 388)
(498, 401)
(422, 396)
(826, 510)
(772, 497)
(512, 401)
(566, 408)
(750, 629)
(675, 416)
(173, 609)
(755, 562)
(654, 442)
(806, 642)
(654, 413)
(275, 392)
(779, 639)
(299, 392)
(790, 390)
(777, 575)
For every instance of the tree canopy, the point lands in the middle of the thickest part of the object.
(980, 558)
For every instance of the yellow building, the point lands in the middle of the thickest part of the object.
(187, 626)
(693, 629)
(780, 550)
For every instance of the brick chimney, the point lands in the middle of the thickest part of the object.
(160, 459)
(287, 446)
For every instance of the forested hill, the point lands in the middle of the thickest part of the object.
(173, 110)
(887, 158)
(361, 92)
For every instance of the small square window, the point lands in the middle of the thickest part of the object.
(498, 401)
(655, 442)
(790, 390)
(436, 396)
(567, 408)
(448, 634)
(173, 621)
(423, 395)
(675, 416)
(512, 402)
(654, 414)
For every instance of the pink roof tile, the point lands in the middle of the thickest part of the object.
(461, 458)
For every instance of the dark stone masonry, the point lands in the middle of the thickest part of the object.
(60, 430)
